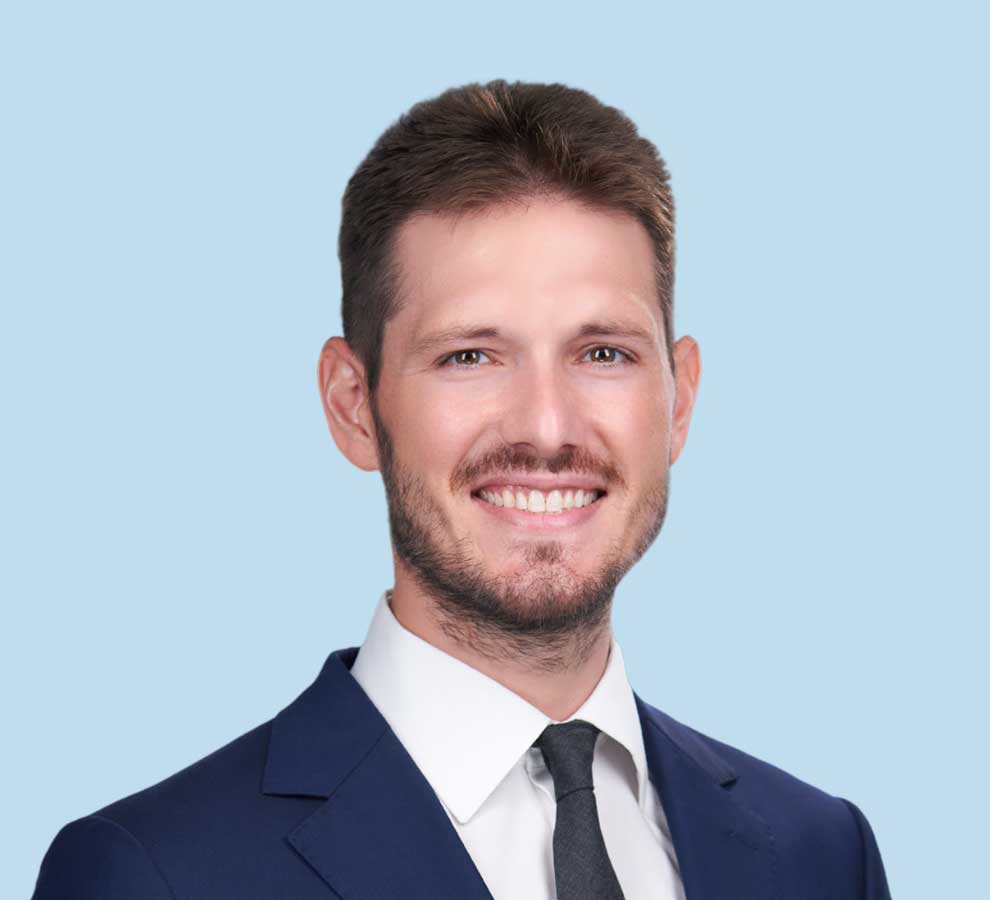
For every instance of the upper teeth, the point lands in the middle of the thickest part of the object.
(537, 501)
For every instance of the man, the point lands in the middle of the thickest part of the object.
(508, 364)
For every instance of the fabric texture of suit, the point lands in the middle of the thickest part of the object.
(323, 801)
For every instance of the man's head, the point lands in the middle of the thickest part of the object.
(507, 263)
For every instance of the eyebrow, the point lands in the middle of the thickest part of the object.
(464, 333)
(454, 334)
(614, 328)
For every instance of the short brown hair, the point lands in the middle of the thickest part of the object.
(481, 145)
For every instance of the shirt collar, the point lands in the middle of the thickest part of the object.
(463, 729)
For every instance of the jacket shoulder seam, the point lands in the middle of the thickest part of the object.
(144, 850)
(861, 840)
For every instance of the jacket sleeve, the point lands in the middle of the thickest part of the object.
(96, 859)
(874, 877)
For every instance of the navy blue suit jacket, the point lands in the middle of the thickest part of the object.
(323, 802)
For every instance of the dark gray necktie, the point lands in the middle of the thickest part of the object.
(581, 865)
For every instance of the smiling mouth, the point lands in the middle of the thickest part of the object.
(555, 502)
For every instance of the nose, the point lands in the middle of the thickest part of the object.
(543, 410)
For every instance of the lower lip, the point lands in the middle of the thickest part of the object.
(567, 518)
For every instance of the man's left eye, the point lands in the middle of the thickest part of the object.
(611, 352)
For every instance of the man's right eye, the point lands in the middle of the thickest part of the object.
(459, 361)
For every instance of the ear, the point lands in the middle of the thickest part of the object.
(687, 373)
(346, 403)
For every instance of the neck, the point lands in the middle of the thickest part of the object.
(555, 675)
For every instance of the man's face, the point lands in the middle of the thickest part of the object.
(527, 367)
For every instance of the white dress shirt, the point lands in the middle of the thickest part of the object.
(471, 738)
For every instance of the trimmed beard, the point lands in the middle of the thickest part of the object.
(551, 621)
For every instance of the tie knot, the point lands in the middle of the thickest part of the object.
(568, 749)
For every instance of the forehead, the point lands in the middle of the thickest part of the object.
(540, 264)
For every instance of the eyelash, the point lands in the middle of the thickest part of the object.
(445, 361)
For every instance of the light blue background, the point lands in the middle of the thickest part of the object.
(182, 542)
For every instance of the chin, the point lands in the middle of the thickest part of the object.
(542, 576)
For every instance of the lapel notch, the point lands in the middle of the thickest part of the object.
(382, 831)
(725, 851)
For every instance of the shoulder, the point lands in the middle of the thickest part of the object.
(95, 857)
(776, 793)
(809, 826)
(216, 786)
(768, 789)
(149, 843)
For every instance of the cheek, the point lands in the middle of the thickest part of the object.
(435, 432)
(639, 435)
(635, 409)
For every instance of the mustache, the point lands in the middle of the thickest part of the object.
(510, 460)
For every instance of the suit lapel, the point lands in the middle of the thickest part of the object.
(382, 831)
(724, 850)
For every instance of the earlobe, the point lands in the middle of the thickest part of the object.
(344, 394)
